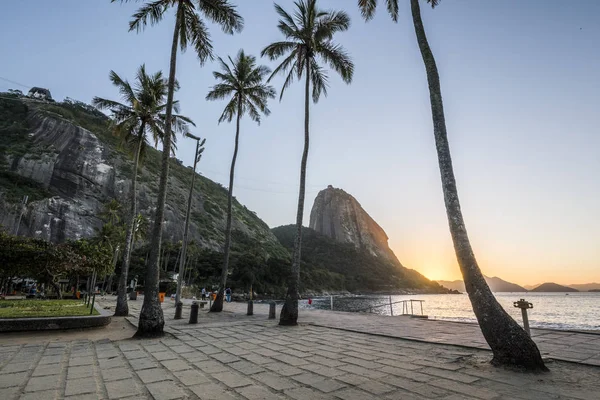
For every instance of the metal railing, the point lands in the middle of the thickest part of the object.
(390, 304)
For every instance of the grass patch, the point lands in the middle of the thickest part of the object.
(43, 308)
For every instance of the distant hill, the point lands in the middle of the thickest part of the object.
(333, 266)
(586, 287)
(553, 287)
(496, 285)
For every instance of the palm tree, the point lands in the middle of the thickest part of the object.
(190, 29)
(308, 43)
(510, 344)
(243, 84)
(142, 114)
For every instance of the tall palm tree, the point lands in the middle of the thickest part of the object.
(243, 83)
(510, 344)
(307, 45)
(142, 114)
(190, 29)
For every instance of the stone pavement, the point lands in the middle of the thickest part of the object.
(233, 356)
(580, 347)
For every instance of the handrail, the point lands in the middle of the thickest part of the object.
(404, 306)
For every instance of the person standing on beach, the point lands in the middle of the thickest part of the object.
(228, 295)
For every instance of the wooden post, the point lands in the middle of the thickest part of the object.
(391, 309)
(331, 299)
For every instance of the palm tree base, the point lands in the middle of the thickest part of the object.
(217, 305)
(151, 323)
(289, 313)
(121, 313)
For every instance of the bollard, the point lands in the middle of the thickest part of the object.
(524, 305)
(92, 307)
(194, 313)
(331, 301)
(250, 308)
(272, 306)
(178, 310)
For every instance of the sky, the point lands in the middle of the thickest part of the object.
(521, 89)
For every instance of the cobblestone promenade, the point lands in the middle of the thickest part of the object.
(234, 356)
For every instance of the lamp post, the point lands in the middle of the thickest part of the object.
(198, 155)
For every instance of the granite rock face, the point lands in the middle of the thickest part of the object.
(82, 170)
(340, 216)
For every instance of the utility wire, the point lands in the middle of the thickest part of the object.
(15, 83)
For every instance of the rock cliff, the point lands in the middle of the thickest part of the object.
(340, 216)
(64, 158)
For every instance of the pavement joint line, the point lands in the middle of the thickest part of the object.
(100, 379)
(65, 372)
(33, 365)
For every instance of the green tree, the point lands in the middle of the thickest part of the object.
(510, 344)
(190, 29)
(141, 115)
(307, 45)
(243, 84)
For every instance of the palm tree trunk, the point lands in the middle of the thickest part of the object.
(510, 344)
(217, 306)
(152, 320)
(289, 311)
(122, 308)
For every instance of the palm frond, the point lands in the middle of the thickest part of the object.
(220, 91)
(331, 23)
(149, 13)
(105, 104)
(223, 13)
(319, 80)
(124, 88)
(367, 8)
(198, 36)
(338, 59)
(230, 110)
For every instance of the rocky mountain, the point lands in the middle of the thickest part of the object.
(64, 158)
(343, 238)
(338, 215)
(496, 285)
(329, 265)
(553, 287)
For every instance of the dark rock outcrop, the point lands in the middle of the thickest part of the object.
(79, 171)
(340, 216)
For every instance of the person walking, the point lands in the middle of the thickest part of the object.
(203, 293)
(228, 295)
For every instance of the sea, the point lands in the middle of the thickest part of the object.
(562, 311)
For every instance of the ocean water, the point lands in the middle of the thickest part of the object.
(573, 311)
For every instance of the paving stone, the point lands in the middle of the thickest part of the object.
(194, 356)
(114, 374)
(51, 359)
(121, 389)
(352, 379)
(47, 369)
(257, 393)
(13, 367)
(463, 388)
(232, 379)
(39, 383)
(274, 381)
(128, 346)
(238, 351)
(132, 355)
(107, 354)
(352, 394)
(323, 370)
(154, 375)
(191, 377)
(283, 369)
(43, 395)
(453, 375)
(165, 391)
(182, 349)
(209, 350)
(88, 396)
(257, 359)
(211, 366)
(156, 348)
(164, 355)
(175, 365)
(294, 361)
(212, 392)
(9, 393)
(225, 357)
(80, 372)
(112, 362)
(142, 363)
(246, 367)
(355, 369)
(74, 362)
(377, 388)
(304, 393)
(80, 386)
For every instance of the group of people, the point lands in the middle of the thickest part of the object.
(213, 295)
